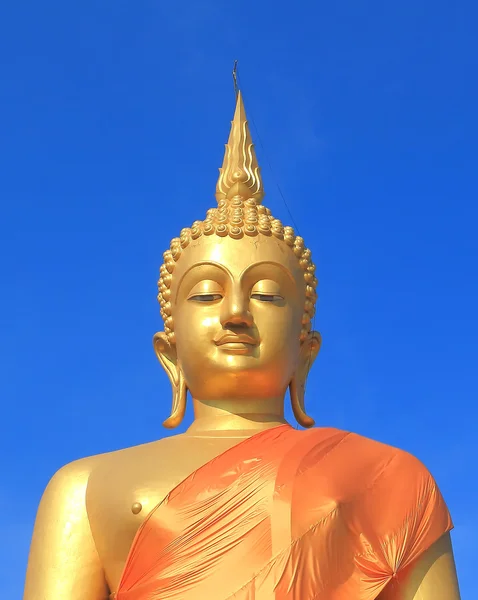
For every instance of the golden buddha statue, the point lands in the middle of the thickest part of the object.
(242, 505)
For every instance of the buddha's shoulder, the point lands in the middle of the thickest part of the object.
(369, 461)
(81, 473)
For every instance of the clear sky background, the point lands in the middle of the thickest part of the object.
(113, 118)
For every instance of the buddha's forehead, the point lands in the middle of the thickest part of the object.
(239, 255)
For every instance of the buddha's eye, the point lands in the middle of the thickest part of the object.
(205, 297)
(267, 290)
(266, 297)
(206, 291)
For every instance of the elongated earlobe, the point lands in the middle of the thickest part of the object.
(166, 354)
(297, 397)
(308, 353)
(180, 392)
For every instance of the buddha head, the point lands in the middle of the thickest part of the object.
(237, 293)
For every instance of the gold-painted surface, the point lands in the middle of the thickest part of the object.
(241, 217)
(251, 291)
(136, 508)
(237, 294)
(240, 172)
(64, 563)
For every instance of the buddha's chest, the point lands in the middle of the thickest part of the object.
(262, 512)
(117, 514)
(119, 501)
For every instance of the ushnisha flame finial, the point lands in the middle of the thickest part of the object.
(240, 172)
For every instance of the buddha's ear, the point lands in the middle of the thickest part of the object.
(167, 356)
(309, 350)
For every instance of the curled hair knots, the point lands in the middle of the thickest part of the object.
(277, 229)
(196, 230)
(208, 228)
(236, 232)
(185, 237)
(175, 248)
(250, 229)
(222, 230)
(251, 203)
(264, 225)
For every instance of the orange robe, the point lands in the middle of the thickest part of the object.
(321, 514)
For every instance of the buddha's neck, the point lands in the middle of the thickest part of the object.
(242, 417)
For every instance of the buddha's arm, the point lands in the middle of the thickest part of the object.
(63, 561)
(432, 577)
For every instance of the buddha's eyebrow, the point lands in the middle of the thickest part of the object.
(206, 263)
(269, 263)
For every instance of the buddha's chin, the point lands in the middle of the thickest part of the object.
(234, 360)
(236, 368)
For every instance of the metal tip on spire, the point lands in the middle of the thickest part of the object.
(234, 78)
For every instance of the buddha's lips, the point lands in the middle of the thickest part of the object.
(231, 338)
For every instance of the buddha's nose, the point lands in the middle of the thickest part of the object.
(236, 312)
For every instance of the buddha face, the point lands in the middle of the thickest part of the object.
(237, 307)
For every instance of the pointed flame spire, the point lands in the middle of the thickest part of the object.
(240, 173)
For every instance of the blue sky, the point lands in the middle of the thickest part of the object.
(114, 116)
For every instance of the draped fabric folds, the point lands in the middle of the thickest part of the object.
(321, 514)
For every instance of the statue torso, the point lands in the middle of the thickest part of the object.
(331, 485)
